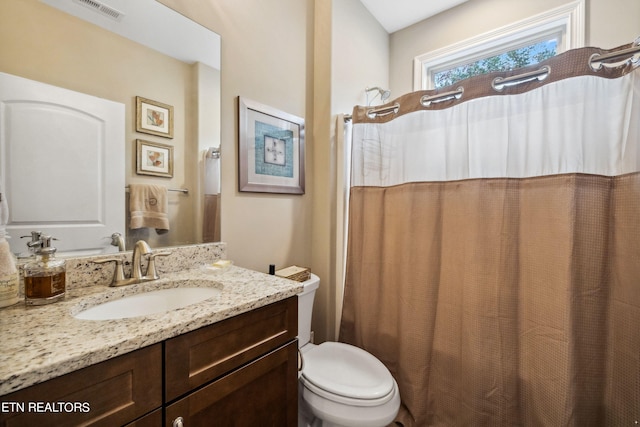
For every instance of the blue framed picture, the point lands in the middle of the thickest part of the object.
(271, 149)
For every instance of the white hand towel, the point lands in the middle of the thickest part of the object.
(149, 207)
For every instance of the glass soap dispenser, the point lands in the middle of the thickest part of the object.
(44, 278)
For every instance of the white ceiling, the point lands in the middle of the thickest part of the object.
(137, 24)
(398, 14)
(152, 24)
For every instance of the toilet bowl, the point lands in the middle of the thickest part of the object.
(340, 385)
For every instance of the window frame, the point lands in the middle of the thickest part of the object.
(566, 22)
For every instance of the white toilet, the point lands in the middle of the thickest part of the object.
(340, 385)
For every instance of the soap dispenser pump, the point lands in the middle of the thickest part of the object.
(45, 278)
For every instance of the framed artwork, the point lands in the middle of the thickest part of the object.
(271, 149)
(154, 117)
(154, 159)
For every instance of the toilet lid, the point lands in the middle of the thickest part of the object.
(348, 371)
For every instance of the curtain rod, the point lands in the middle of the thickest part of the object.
(499, 83)
(615, 55)
(383, 111)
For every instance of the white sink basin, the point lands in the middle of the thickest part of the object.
(146, 303)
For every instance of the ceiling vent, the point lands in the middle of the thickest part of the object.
(102, 9)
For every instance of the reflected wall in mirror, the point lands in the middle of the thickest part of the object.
(45, 44)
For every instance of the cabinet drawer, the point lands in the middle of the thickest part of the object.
(195, 358)
(109, 393)
(261, 393)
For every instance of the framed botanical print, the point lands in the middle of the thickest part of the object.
(154, 118)
(271, 149)
(154, 159)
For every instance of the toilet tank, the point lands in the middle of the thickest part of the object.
(305, 307)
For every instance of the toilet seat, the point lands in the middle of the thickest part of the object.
(347, 374)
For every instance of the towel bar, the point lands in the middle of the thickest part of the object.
(180, 190)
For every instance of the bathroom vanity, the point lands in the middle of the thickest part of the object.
(228, 360)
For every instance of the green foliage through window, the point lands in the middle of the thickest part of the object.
(511, 60)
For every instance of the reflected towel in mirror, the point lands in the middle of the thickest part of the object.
(149, 207)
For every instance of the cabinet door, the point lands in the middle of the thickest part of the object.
(154, 419)
(262, 393)
(110, 393)
(195, 358)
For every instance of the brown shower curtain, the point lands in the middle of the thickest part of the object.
(510, 301)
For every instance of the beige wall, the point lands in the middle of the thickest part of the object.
(360, 52)
(609, 23)
(278, 54)
(284, 55)
(44, 44)
(313, 58)
(266, 57)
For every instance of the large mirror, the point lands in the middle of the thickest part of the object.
(123, 51)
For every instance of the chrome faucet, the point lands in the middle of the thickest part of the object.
(140, 250)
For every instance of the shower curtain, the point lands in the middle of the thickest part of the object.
(493, 260)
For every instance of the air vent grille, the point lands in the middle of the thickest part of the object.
(102, 9)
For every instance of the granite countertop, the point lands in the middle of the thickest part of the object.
(40, 343)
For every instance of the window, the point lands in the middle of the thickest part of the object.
(523, 43)
(516, 58)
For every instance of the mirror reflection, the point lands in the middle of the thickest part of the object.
(45, 43)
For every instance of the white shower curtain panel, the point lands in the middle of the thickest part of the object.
(578, 125)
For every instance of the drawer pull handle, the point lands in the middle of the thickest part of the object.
(178, 422)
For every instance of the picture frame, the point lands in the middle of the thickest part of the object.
(154, 118)
(154, 159)
(271, 149)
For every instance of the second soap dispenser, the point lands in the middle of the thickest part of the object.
(44, 278)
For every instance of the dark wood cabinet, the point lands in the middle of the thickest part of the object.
(152, 419)
(110, 393)
(241, 371)
(261, 393)
(197, 357)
